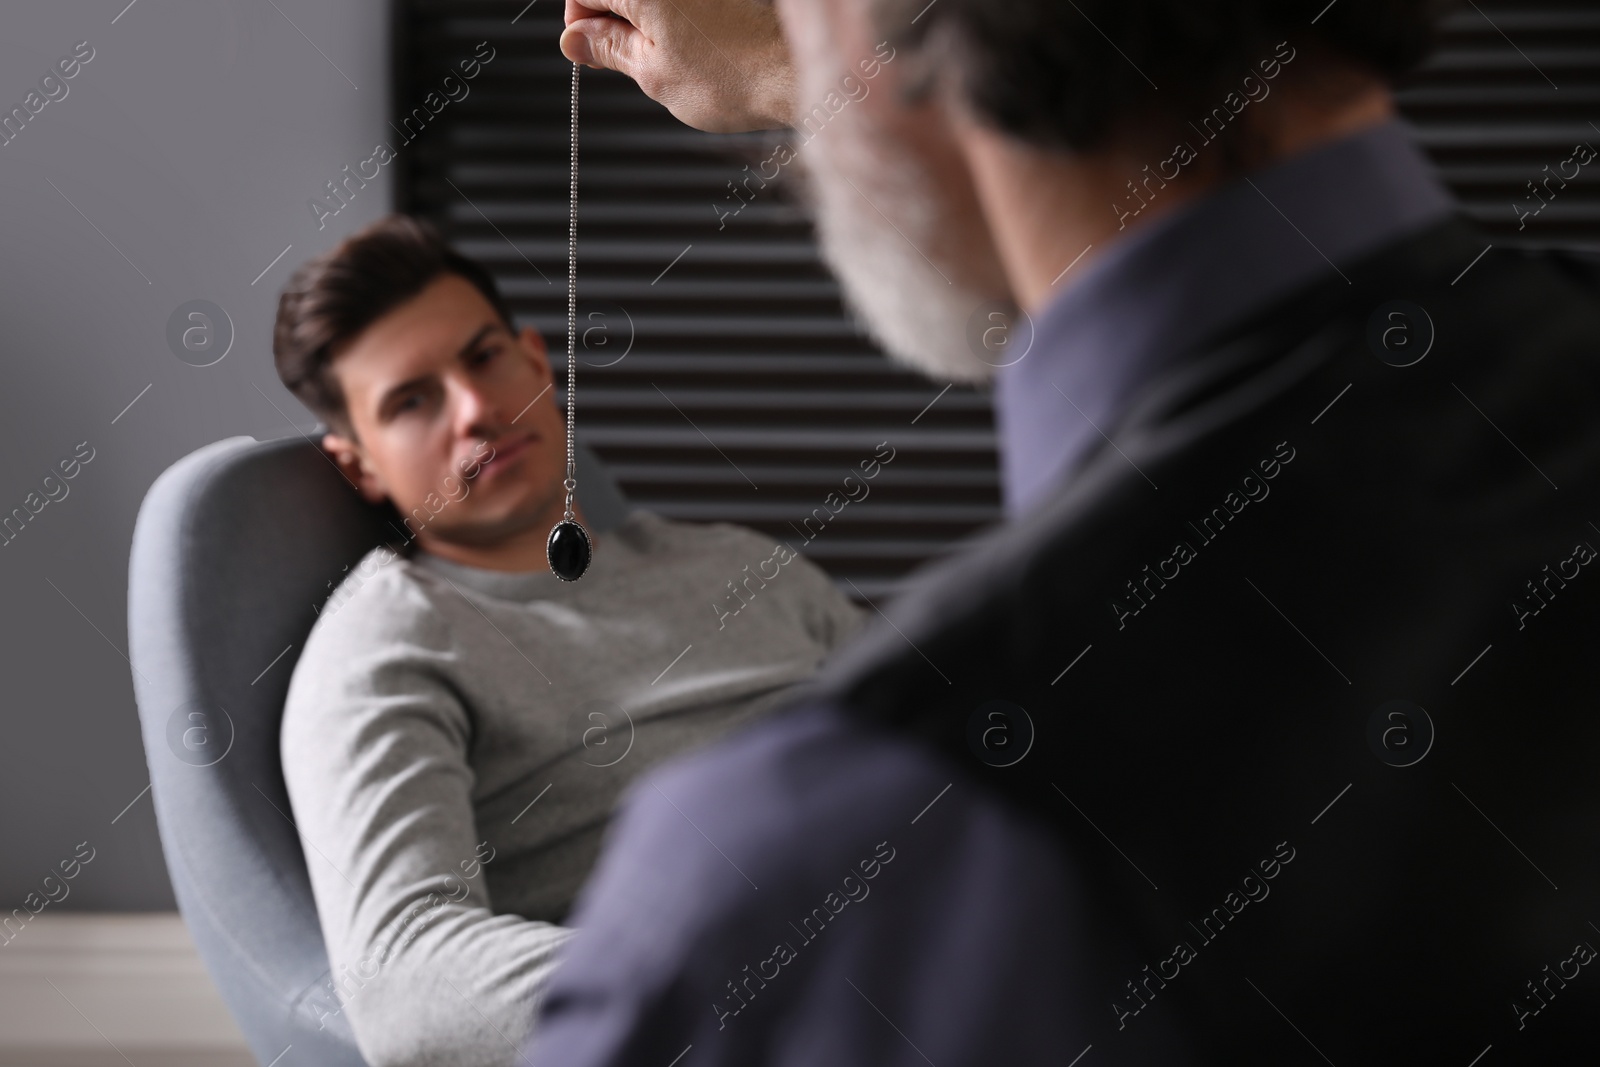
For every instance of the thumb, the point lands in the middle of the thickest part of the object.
(607, 43)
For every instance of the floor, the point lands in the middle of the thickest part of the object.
(102, 990)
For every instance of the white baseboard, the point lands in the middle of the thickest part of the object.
(93, 990)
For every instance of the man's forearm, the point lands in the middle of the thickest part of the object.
(454, 985)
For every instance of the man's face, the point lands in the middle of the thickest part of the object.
(454, 418)
(897, 215)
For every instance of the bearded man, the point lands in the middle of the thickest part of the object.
(1261, 732)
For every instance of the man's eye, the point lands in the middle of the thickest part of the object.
(409, 403)
(484, 355)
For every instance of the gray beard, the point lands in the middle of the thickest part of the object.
(915, 272)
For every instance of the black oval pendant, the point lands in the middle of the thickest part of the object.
(568, 550)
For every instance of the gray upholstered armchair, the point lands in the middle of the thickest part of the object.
(236, 547)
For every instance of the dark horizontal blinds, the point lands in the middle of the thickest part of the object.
(722, 380)
(1513, 90)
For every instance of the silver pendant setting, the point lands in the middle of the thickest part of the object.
(569, 550)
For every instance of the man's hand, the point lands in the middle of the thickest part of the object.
(718, 65)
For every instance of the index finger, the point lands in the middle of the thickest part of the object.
(588, 9)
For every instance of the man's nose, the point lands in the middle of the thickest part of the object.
(474, 408)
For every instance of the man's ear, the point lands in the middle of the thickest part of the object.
(347, 455)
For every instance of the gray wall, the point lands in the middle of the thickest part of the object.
(188, 147)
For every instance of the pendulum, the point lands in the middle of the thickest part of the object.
(568, 548)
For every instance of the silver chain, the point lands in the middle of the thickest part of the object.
(571, 482)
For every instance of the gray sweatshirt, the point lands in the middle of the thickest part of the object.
(454, 740)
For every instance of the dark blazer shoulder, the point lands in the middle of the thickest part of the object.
(1297, 526)
(1521, 325)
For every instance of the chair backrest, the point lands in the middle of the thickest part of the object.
(236, 548)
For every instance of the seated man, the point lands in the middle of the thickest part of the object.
(461, 720)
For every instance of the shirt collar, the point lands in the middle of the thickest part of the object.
(1165, 287)
(503, 585)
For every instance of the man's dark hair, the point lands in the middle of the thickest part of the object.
(331, 299)
(1064, 73)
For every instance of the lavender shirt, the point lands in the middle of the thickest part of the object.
(1168, 285)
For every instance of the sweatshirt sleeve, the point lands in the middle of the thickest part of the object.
(374, 747)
